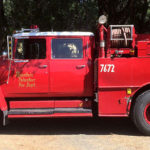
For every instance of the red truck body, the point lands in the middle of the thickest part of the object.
(74, 74)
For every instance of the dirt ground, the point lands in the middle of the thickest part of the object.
(72, 134)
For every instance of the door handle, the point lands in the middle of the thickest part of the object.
(43, 66)
(80, 66)
(17, 61)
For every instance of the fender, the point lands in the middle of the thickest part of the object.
(141, 88)
(138, 91)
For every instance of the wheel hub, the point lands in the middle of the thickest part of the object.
(147, 113)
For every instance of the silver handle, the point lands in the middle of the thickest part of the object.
(17, 61)
(80, 66)
(43, 66)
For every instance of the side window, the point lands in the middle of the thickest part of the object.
(67, 48)
(31, 49)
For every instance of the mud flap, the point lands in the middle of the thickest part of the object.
(5, 118)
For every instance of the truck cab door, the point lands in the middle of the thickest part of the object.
(70, 68)
(29, 69)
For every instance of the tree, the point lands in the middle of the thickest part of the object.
(2, 24)
(52, 15)
(127, 12)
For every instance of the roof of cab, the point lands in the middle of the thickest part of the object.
(27, 34)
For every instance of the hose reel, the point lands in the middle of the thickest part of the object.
(121, 36)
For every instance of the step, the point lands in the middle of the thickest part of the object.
(43, 111)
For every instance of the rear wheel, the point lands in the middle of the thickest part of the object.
(141, 112)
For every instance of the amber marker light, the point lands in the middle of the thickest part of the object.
(132, 52)
(129, 91)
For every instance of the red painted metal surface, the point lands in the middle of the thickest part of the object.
(31, 104)
(67, 78)
(33, 86)
(143, 48)
(72, 104)
(49, 104)
(28, 77)
(102, 42)
(3, 104)
(56, 115)
(61, 77)
(115, 76)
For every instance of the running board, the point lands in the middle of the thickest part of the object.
(45, 111)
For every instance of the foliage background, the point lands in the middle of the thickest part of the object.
(76, 15)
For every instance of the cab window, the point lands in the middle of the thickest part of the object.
(31, 49)
(67, 48)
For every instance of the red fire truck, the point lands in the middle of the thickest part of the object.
(77, 74)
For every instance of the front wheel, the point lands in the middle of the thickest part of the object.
(141, 112)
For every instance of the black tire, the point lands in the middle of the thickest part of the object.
(140, 111)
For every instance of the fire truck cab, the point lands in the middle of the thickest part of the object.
(77, 74)
(52, 64)
(48, 74)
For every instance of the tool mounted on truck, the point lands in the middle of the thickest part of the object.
(77, 74)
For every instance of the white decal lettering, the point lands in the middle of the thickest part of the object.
(107, 68)
(102, 66)
(113, 67)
